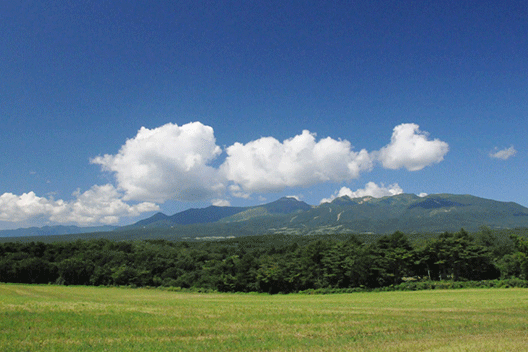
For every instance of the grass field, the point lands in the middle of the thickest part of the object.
(59, 318)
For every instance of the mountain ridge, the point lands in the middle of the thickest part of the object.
(404, 212)
(409, 213)
(214, 213)
(54, 230)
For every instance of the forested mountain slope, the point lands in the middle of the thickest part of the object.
(410, 213)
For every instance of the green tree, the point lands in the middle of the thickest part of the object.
(457, 255)
(392, 258)
(346, 264)
(521, 256)
(75, 271)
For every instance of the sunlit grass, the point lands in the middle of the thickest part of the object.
(58, 318)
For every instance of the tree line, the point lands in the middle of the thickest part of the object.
(228, 266)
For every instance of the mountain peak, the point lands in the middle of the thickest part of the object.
(154, 218)
(403, 212)
(286, 205)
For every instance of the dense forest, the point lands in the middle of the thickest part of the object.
(268, 264)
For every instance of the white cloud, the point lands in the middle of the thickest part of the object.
(297, 198)
(98, 205)
(236, 191)
(173, 162)
(221, 202)
(423, 194)
(371, 189)
(503, 154)
(15, 208)
(168, 162)
(411, 149)
(267, 165)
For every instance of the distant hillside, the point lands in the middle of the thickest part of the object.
(281, 207)
(187, 217)
(409, 213)
(54, 230)
(366, 215)
(213, 214)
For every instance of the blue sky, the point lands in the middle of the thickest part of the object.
(113, 110)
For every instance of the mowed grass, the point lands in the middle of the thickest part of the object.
(59, 318)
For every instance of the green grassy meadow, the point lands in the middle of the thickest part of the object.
(76, 318)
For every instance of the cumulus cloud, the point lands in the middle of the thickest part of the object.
(410, 148)
(98, 205)
(268, 165)
(297, 198)
(174, 162)
(503, 154)
(220, 202)
(236, 191)
(168, 162)
(371, 189)
(15, 208)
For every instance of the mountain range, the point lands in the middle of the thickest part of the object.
(211, 214)
(54, 230)
(404, 212)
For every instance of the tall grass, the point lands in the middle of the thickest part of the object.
(58, 318)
